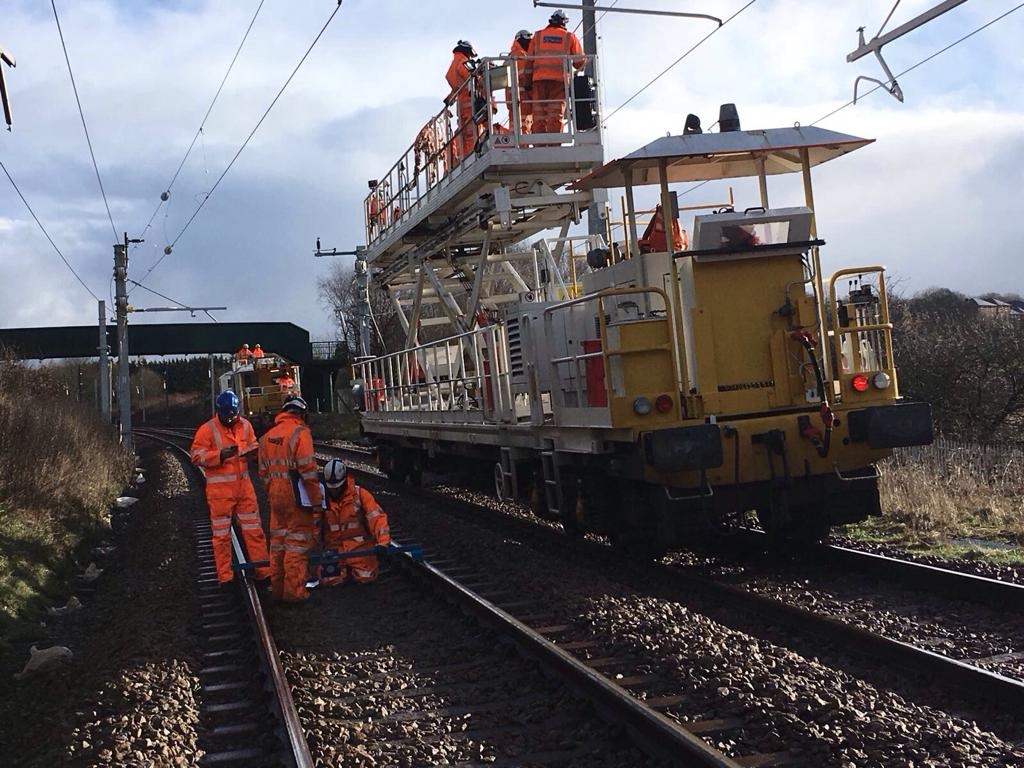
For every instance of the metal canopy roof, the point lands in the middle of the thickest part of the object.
(705, 156)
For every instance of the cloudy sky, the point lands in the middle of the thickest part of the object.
(937, 198)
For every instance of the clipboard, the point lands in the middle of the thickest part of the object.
(302, 498)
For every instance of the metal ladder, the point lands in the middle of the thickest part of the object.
(508, 473)
(552, 480)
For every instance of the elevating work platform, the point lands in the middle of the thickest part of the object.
(440, 215)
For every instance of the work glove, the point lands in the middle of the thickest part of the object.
(227, 453)
(381, 550)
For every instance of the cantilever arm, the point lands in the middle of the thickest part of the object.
(8, 59)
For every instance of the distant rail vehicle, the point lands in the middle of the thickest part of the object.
(652, 388)
(262, 384)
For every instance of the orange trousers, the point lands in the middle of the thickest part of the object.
(247, 513)
(467, 133)
(291, 538)
(548, 106)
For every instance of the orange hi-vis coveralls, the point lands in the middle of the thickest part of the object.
(548, 75)
(525, 105)
(285, 449)
(353, 522)
(243, 355)
(229, 492)
(458, 78)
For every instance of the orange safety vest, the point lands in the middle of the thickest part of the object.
(356, 517)
(457, 76)
(286, 448)
(554, 42)
(243, 354)
(258, 352)
(286, 383)
(222, 478)
(517, 52)
(654, 240)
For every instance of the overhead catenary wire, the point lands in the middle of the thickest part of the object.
(81, 113)
(603, 14)
(202, 123)
(47, 234)
(923, 61)
(671, 66)
(245, 143)
(909, 69)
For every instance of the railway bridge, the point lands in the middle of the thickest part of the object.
(320, 360)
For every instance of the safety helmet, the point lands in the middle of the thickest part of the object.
(558, 18)
(227, 406)
(335, 473)
(257, 345)
(245, 346)
(294, 403)
(524, 33)
(465, 47)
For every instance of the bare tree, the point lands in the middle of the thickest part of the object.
(970, 367)
(339, 294)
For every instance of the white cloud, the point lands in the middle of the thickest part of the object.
(932, 198)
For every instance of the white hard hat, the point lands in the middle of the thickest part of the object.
(335, 472)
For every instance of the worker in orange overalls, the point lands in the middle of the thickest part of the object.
(257, 352)
(353, 521)
(243, 355)
(546, 72)
(220, 446)
(286, 382)
(654, 240)
(459, 73)
(286, 462)
(519, 50)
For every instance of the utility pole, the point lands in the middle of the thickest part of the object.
(362, 286)
(595, 225)
(103, 367)
(142, 387)
(363, 304)
(123, 381)
(213, 390)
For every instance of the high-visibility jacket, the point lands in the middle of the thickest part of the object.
(243, 354)
(654, 240)
(556, 43)
(457, 76)
(257, 351)
(517, 52)
(288, 447)
(355, 520)
(229, 478)
(286, 383)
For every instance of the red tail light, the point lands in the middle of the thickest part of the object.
(860, 382)
(663, 404)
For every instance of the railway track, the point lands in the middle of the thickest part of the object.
(966, 678)
(240, 661)
(386, 686)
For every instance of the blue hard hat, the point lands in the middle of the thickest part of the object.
(227, 403)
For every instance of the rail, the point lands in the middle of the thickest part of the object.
(454, 139)
(298, 749)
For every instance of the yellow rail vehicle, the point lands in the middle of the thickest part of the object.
(639, 388)
(262, 384)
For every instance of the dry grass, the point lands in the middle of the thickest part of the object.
(934, 494)
(59, 469)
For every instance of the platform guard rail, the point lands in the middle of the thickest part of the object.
(498, 120)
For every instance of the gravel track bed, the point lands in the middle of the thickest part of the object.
(787, 701)
(960, 630)
(386, 674)
(1014, 573)
(127, 698)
